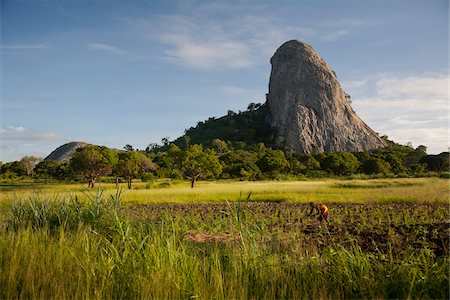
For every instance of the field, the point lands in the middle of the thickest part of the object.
(386, 239)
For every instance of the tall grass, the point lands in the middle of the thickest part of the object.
(85, 248)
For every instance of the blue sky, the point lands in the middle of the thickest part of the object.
(132, 72)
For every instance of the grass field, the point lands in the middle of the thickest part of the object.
(407, 190)
(387, 238)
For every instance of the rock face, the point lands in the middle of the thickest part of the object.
(308, 108)
(64, 153)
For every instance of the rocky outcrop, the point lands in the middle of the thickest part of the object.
(64, 153)
(308, 108)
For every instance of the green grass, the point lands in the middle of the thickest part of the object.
(89, 248)
(421, 190)
(387, 238)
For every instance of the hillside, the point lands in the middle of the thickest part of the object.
(249, 126)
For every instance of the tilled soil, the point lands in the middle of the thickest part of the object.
(374, 228)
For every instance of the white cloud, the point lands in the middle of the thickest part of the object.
(211, 54)
(206, 43)
(106, 48)
(425, 86)
(42, 136)
(335, 35)
(25, 47)
(347, 22)
(12, 129)
(407, 109)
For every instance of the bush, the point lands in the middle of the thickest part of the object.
(358, 176)
(444, 175)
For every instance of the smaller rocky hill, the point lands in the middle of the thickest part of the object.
(64, 153)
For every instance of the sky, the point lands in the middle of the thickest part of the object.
(114, 72)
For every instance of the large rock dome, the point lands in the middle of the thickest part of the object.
(308, 108)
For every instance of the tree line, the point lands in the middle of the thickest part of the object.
(225, 160)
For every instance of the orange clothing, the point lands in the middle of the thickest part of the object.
(323, 209)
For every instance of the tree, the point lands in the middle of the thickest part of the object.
(197, 163)
(375, 165)
(309, 162)
(413, 158)
(396, 163)
(437, 163)
(187, 140)
(172, 157)
(165, 141)
(235, 161)
(49, 169)
(151, 147)
(340, 163)
(219, 145)
(128, 166)
(93, 161)
(128, 147)
(12, 169)
(29, 162)
(273, 162)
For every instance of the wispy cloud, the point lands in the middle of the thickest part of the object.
(208, 43)
(210, 54)
(418, 86)
(106, 48)
(25, 47)
(46, 136)
(407, 109)
(335, 35)
(21, 134)
(12, 129)
(347, 22)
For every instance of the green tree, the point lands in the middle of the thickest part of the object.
(219, 145)
(128, 147)
(295, 166)
(340, 163)
(250, 172)
(437, 163)
(128, 166)
(309, 161)
(395, 162)
(49, 169)
(13, 169)
(273, 162)
(93, 161)
(234, 161)
(197, 163)
(413, 158)
(375, 165)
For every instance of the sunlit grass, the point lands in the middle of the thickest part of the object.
(408, 190)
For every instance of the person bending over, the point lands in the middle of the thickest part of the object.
(319, 209)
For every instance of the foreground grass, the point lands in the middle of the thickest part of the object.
(68, 247)
(158, 263)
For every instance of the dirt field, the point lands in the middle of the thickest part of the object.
(375, 228)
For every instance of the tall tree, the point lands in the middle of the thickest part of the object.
(93, 161)
(128, 166)
(197, 163)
